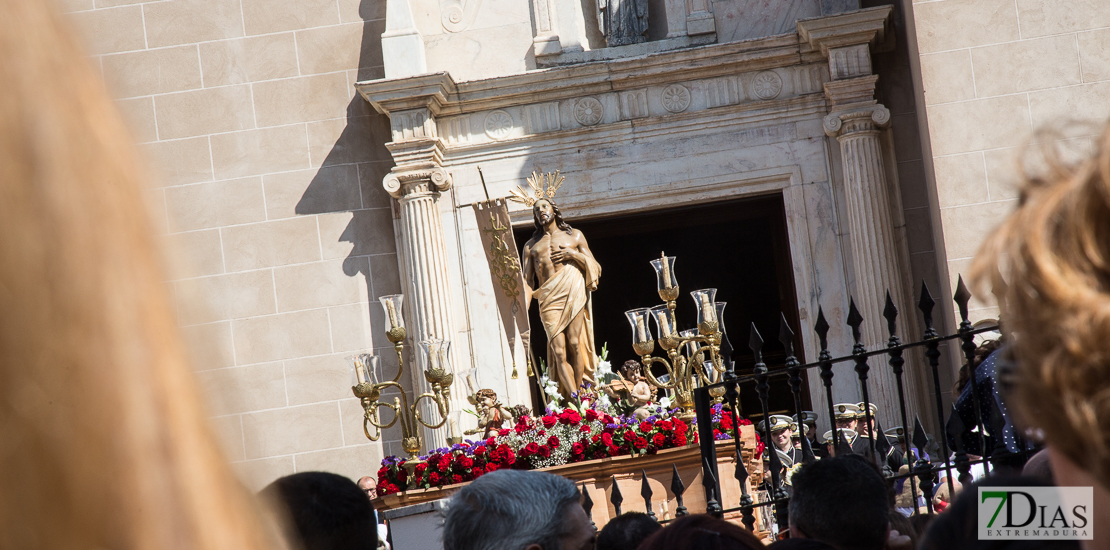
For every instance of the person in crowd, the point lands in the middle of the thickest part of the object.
(1046, 264)
(369, 485)
(842, 501)
(106, 440)
(326, 511)
(781, 442)
(702, 532)
(809, 420)
(847, 415)
(847, 436)
(517, 510)
(626, 531)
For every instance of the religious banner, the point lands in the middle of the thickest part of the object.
(504, 268)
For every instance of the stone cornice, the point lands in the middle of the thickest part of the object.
(866, 26)
(441, 95)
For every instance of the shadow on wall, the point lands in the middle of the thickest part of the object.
(349, 179)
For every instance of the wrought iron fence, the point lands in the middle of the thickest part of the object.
(923, 470)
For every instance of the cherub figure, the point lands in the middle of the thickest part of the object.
(492, 415)
(632, 390)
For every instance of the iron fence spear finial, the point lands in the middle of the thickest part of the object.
(645, 491)
(677, 487)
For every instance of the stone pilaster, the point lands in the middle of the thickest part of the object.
(416, 183)
(855, 119)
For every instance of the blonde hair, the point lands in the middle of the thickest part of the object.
(103, 439)
(1048, 265)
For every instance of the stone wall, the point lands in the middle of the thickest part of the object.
(268, 173)
(993, 72)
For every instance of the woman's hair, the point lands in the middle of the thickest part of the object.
(702, 532)
(104, 440)
(981, 353)
(1048, 265)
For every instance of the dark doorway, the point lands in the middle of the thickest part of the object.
(738, 247)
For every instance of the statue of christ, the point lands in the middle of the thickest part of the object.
(566, 272)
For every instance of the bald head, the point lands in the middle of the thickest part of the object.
(369, 486)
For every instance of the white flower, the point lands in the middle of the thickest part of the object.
(555, 408)
(665, 402)
(604, 401)
(603, 367)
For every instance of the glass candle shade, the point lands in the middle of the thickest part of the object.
(691, 347)
(392, 306)
(641, 338)
(436, 353)
(720, 310)
(454, 426)
(707, 312)
(665, 282)
(665, 326)
(365, 368)
(470, 378)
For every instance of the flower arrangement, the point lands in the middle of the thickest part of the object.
(563, 436)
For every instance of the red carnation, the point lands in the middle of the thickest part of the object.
(726, 422)
(444, 463)
(591, 415)
(420, 469)
(658, 440)
(383, 471)
(639, 442)
(628, 435)
(387, 488)
(585, 428)
(645, 426)
(614, 451)
(434, 478)
(464, 462)
(479, 450)
(549, 421)
(519, 428)
(597, 437)
(504, 432)
(402, 474)
(456, 478)
(680, 440)
(680, 427)
(553, 442)
(492, 467)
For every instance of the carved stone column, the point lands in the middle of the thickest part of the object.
(855, 120)
(417, 185)
(416, 182)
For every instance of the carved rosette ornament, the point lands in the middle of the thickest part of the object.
(498, 125)
(588, 111)
(767, 85)
(676, 98)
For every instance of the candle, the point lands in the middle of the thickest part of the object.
(392, 313)
(641, 331)
(664, 324)
(666, 271)
(360, 371)
(454, 428)
(664, 509)
(707, 312)
(471, 383)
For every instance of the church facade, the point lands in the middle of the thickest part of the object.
(314, 155)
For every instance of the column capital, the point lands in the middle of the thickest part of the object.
(862, 119)
(417, 182)
(866, 26)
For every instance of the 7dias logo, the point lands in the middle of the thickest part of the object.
(1035, 513)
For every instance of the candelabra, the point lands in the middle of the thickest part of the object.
(369, 382)
(686, 362)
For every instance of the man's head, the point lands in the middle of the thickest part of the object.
(327, 511)
(819, 510)
(626, 531)
(369, 485)
(517, 510)
(847, 415)
(543, 212)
